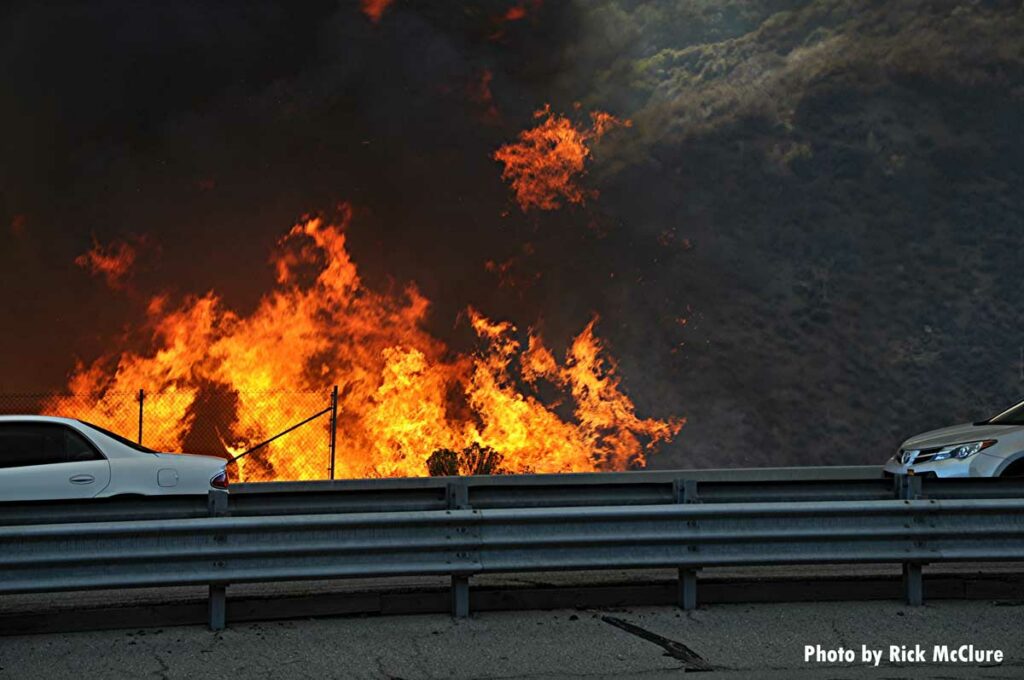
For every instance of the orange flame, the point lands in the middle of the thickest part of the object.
(544, 165)
(113, 262)
(517, 12)
(403, 393)
(374, 9)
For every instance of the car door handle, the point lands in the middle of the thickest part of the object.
(82, 479)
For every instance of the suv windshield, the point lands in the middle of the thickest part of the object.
(1012, 416)
(127, 442)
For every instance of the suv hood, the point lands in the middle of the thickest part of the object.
(958, 434)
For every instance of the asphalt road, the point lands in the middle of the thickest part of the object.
(737, 641)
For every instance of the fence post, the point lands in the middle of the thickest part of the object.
(458, 499)
(217, 505)
(685, 491)
(909, 488)
(334, 426)
(142, 399)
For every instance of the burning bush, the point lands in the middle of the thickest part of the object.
(472, 460)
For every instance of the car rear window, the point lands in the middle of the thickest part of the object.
(118, 438)
(24, 444)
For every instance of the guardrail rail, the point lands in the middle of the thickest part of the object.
(461, 527)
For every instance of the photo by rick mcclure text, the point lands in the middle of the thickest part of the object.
(905, 654)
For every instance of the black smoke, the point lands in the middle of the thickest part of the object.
(809, 243)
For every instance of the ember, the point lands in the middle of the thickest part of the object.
(113, 262)
(374, 9)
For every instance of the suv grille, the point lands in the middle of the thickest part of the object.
(908, 456)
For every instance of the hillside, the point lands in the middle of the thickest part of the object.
(849, 176)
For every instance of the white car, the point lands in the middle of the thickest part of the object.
(990, 448)
(49, 458)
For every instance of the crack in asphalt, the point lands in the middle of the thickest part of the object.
(692, 661)
(839, 634)
(164, 670)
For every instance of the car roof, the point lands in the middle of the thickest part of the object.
(109, 445)
(40, 419)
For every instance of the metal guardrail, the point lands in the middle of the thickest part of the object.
(645, 487)
(47, 558)
(431, 493)
(461, 543)
(562, 522)
(858, 483)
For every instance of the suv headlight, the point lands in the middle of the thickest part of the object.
(965, 450)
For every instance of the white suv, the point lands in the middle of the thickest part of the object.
(990, 448)
(49, 458)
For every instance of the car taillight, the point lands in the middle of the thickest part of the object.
(220, 480)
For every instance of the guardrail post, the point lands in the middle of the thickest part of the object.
(217, 504)
(685, 491)
(909, 488)
(458, 499)
(913, 583)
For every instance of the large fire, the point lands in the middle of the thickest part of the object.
(545, 164)
(402, 393)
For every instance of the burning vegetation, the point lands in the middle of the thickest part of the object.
(545, 164)
(405, 397)
(472, 460)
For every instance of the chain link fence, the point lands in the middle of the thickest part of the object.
(290, 435)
